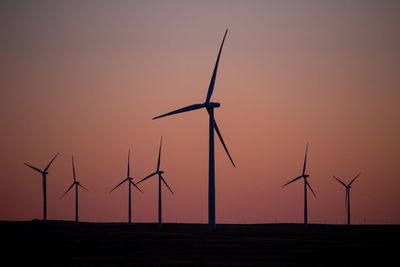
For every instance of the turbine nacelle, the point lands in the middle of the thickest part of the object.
(212, 105)
(306, 175)
(160, 172)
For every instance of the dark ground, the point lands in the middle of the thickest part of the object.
(60, 243)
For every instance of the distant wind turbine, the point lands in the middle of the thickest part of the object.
(304, 176)
(128, 178)
(160, 178)
(209, 106)
(44, 174)
(76, 184)
(347, 199)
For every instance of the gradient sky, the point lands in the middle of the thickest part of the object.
(86, 77)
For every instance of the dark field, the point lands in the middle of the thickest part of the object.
(59, 243)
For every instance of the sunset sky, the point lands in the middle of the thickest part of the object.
(85, 78)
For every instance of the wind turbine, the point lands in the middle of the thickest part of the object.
(44, 174)
(209, 106)
(160, 178)
(76, 184)
(347, 199)
(304, 176)
(128, 178)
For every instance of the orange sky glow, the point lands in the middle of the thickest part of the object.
(85, 78)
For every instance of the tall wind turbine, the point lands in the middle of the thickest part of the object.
(209, 106)
(128, 178)
(160, 178)
(76, 184)
(304, 176)
(347, 199)
(44, 174)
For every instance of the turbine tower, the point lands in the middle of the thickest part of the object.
(160, 178)
(209, 106)
(306, 184)
(347, 199)
(128, 178)
(44, 174)
(76, 184)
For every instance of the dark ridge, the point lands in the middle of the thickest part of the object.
(67, 243)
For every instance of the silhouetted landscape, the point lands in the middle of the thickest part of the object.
(62, 243)
(85, 81)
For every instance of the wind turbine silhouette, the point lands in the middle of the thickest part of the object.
(304, 176)
(347, 199)
(44, 174)
(128, 178)
(160, 178)
(209, 106)
(76, 184)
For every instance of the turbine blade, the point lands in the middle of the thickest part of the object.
(159, 155)
(188, 108)
(305, 160)
(73, 168)
(147, 177)
(223, 143)
(214, 75)
(167, 184)
(36, 169)
(345, 201)
(354, 178)
(123, 181)
(295, 179)
(50, 162)
(68, 190)
(129, 153)
(136, 186)
(339, 181)
(309, 186)
(83, 187)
